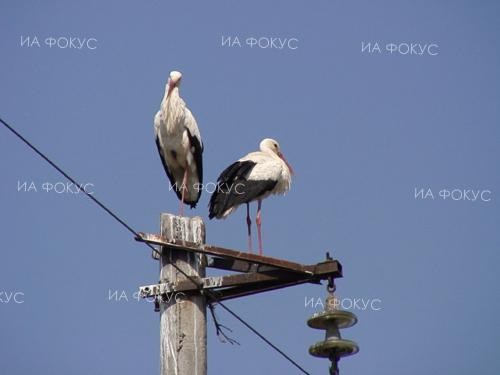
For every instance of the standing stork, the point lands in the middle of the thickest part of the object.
(179, 144)
(252, 178)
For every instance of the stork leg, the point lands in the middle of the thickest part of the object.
(258, 220)
(183, 187)
(249, 226)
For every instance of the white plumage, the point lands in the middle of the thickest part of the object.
(270, 165)
(252, 178)
(179, 144)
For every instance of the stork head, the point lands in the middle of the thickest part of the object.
(271, 145)
(174, 80)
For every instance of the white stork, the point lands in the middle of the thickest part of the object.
(179, 144)
(252, 178)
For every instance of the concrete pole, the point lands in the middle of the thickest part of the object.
(183, 335)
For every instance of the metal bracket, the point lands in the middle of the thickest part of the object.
(155, 290)
(257, 273)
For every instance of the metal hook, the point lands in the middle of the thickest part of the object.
(331, 285)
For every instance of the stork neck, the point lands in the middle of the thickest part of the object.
(273, 154)
(171, 94)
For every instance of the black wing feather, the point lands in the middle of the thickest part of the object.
(234, 188)
(171, 178)
(198, 152)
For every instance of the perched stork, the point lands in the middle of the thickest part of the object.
(179, 144)
(252, 178)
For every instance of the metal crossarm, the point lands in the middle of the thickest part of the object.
(236, 255)
(257, 273)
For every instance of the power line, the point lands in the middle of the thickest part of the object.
(136, 234)
(263, 338)
(42, 155)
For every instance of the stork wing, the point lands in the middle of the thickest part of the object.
(161, 152)
(234, 188)
(196, 144)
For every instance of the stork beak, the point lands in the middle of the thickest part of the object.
(287, 164)
(171, 85)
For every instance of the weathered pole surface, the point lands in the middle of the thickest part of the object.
(183, 336)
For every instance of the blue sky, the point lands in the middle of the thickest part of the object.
(371, 101)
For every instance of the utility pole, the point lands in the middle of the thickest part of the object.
(183, 328)
(182, 300)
